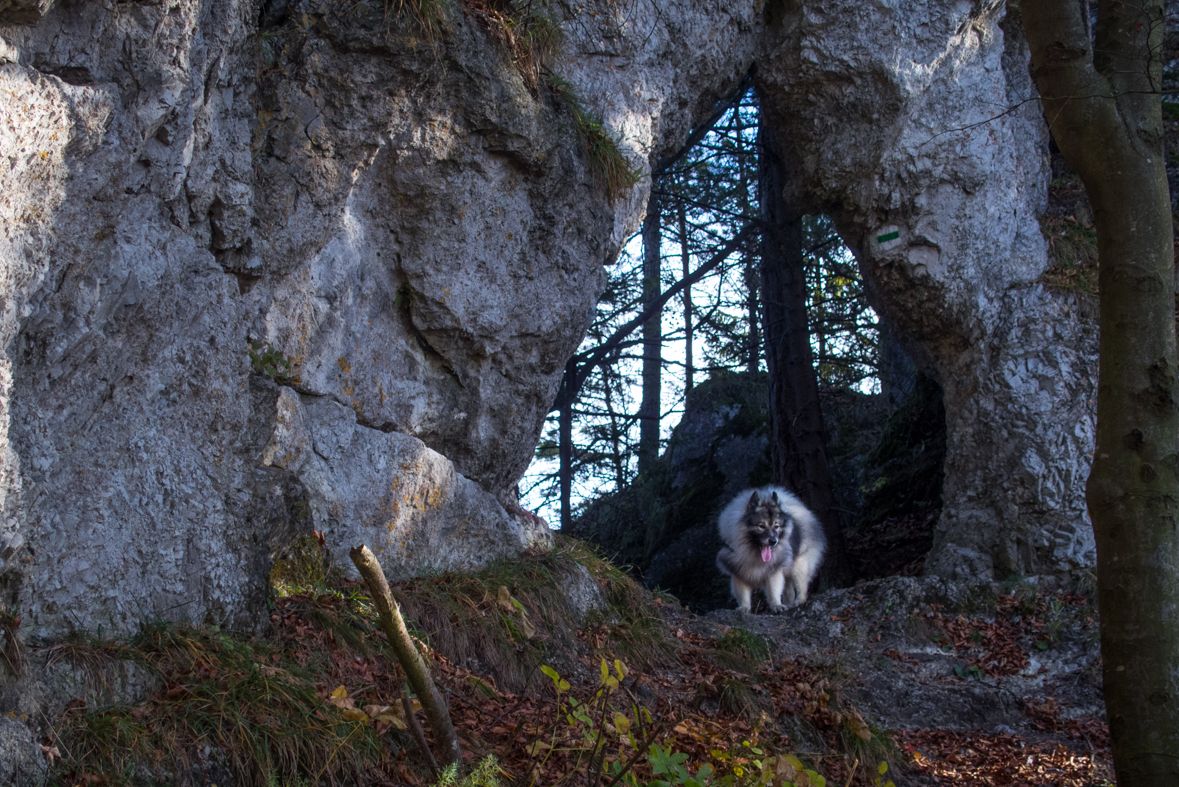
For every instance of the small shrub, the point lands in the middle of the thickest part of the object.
(404, 297)
(269, 362)
(626, 744)
(485, 774)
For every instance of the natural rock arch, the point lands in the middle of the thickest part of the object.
(420, 234)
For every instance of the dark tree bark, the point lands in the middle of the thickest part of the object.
(685, 265)
(797, 436)
(650, 407)
(752, 302)
(618, 452)
(565, 400)
(750, 274)
(1101, 97)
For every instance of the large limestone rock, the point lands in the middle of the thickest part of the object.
(919, 119)
(389, 491)
(412, 225)
(415, 227)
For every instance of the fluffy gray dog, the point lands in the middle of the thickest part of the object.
(772, 542)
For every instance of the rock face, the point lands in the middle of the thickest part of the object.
(389, 491)
(407, 233)
(411, 236)
(894, 112)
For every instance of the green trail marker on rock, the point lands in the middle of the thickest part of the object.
(887, 237)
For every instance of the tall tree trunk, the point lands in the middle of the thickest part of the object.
(685, 265)
(617, 454)
(650, 407)
(821, 321)
(1101, 98)
(565, 400)
(896, 370)
(752, 302)
(798, 439)
(750, 274)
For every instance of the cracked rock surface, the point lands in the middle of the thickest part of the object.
(406, 234)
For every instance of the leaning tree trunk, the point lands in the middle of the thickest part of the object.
(1101, 98)
(416, 671)
(798, 439)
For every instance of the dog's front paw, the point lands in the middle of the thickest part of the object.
(778, 609)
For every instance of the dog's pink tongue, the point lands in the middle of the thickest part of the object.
(767, 554)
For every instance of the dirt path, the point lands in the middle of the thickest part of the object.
(994, 685)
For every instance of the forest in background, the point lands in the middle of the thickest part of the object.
(694, 271)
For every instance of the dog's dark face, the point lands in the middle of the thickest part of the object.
(765, 524)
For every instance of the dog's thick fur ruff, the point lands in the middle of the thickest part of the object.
(769, 522)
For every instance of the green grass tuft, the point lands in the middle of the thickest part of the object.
(257, 705)
(527, 31)
(744, 643)
(612, 167)
(432, 16)
(741, 651)
(738, 699)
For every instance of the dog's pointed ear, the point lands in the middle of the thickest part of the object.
(774, 498)
(752, 502)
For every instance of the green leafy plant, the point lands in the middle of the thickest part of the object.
(665, 762)
(620, 743)
(485, 774)
(270, 362)
(404, 297)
